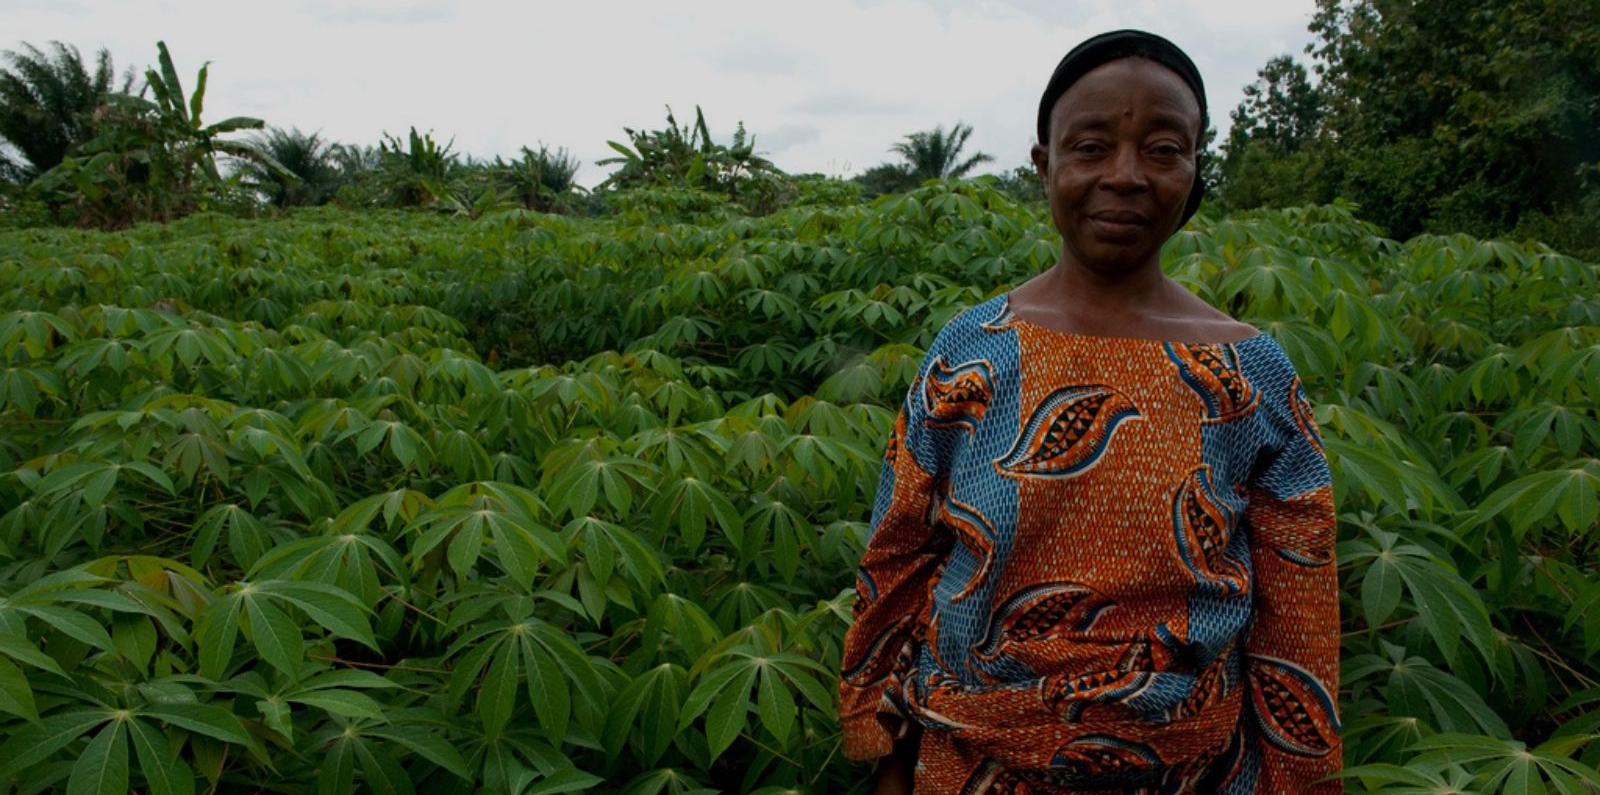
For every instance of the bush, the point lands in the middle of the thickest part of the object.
(531, 503)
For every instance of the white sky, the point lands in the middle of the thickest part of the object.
(823, 85)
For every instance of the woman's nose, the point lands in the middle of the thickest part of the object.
(1124, 169)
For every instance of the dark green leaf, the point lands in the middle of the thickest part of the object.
(275, 635)
(381, 772)
(497, 695)
(427, 745)
(563, 781)
(16, 697)
(102, 769)
(33, 744)
(205, 719)
(338, 772)
(163, 771)
(333, 608)
(345, 703)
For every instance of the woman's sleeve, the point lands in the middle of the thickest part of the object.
(897, 569)
(1292, 662)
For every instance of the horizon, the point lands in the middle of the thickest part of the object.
(826, 91)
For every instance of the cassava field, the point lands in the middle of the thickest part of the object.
(393, 502)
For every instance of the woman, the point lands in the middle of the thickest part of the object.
(1102, 549)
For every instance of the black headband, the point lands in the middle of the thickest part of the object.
(1115, 46)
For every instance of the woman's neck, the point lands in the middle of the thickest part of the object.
(1144, 304)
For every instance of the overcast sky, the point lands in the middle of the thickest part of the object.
(823, 85)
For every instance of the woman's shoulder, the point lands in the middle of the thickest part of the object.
(1271, 374)
(970, 323)
(1202, 321)
(984, 313)
(1221, 329)
(1262, 349)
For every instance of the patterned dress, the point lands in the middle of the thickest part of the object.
(1099, 565)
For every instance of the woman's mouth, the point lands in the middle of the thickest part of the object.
(1118, 222)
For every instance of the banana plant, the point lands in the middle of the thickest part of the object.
(154, 158)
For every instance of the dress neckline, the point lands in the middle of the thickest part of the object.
(1008, 315)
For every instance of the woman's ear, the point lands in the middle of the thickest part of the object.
(1041, 160)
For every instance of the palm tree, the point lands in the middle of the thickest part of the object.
(538, 178)
(934, 154)
(47, 105)
(312, 174)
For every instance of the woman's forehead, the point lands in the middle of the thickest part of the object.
(1109, 47)
(1128, 84)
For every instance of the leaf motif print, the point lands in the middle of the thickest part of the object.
(990, 778)
(1136, 656)
(1237, 766)
(1002, 320)
(1041, 611)
(958, 397)
(1202, 527)
(1212, 371)
(975, 532)
(1107, 760)
(1069, 694)
(1312, 549)
(926, 696)
(880, 658)
(1209, 685)
(866, 589)
(1294, 711)
(891, 451)
(1068, 433)
(1301, 408)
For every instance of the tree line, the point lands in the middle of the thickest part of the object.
(1478, 116)
(83, 148)
(1475, 116)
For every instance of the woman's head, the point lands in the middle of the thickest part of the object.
(1119, 129)
(1119, 45)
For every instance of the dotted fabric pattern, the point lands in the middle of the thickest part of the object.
(1099, 565)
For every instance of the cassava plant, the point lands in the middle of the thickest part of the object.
(528, 503)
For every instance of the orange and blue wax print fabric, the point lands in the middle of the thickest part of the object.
(1099, 565)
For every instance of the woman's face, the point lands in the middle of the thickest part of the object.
(1120, 163)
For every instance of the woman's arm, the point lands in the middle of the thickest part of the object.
(892, 584)
(1292, 662)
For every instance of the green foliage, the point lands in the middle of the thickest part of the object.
(1281, 109)
(150, 159)
(522, 503)
(413, 172)
(308, 175)
(886, 178)
(47, 105)
(1275, 153)
(687, 157)
(926, 154)
(418, 172)
(936, 154)
(1022, 184)
(1441, 117)
(538, 180)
